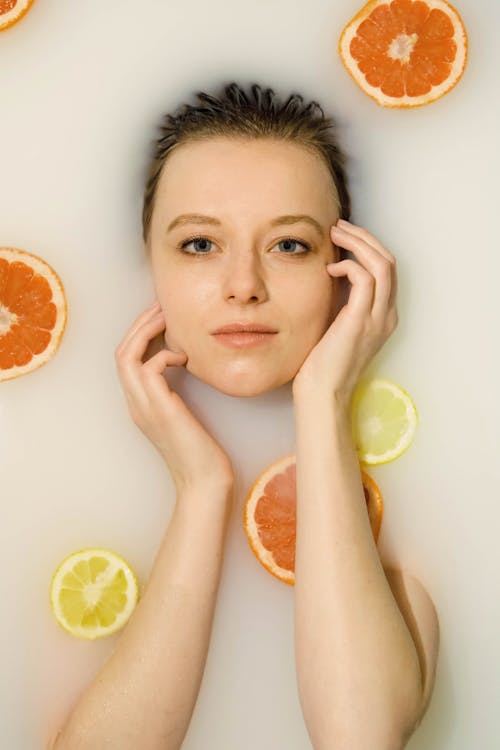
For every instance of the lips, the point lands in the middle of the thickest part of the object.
(245, 328)
(245, 339)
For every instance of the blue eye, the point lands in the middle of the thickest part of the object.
(287, 240)
(305, 245)
(193, 239)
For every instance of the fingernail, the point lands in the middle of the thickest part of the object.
(338, 229)
(344, 222)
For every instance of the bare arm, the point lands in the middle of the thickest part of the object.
(144, 695)
(358, 671)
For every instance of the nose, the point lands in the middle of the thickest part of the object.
(244, 278)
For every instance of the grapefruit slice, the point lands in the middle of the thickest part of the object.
(11, 11)
(270, 516)
(93, 593)
(405, 53)
(33, 312)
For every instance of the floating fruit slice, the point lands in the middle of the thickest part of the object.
(93, 593)
(270, 516)
(384, 419)
(33, 312)
(11, 11)
(404, 53)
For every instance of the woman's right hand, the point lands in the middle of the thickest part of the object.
(193, 456)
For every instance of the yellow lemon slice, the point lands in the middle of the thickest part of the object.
(93, 593)
(384, 419)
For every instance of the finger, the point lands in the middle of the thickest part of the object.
(394, 288)
(368, 237)
(146, 314)
(129, 358)
(164, 355)
(152, 372)
(135, 345)
(382, 269)
(363, 234)
(145, 382)
(361, 293)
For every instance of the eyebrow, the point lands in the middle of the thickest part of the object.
(287, 219)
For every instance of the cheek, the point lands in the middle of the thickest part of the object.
(319, 301)
(186, 321)
(176, 311)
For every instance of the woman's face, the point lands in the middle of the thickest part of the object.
(244, 267)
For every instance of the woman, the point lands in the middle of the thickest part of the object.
(242, 224)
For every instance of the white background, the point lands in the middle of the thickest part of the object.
(82, 89)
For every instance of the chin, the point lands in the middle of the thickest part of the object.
(237, 384)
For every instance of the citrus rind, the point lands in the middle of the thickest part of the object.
(437, 91)
(263, 555)
(375, 507)
(375, 503)
(110, 577)
(15, 13)
(366, 423)
(9, 318)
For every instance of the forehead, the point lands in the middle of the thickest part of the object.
(240, 172)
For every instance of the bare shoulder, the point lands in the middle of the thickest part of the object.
(420, 615)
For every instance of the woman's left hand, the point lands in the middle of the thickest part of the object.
(359, 330)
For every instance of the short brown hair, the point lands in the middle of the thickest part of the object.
(235, 114)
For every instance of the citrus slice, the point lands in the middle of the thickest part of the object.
(384, 419)
(270, 516)
(404, 53)
(33, 312)
(93, 593)
(11, 11)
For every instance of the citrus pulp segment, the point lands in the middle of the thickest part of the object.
(405, 53)
(11, 11)
(33, 312)
(384, 420)
(269, 516)
(93, 592)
